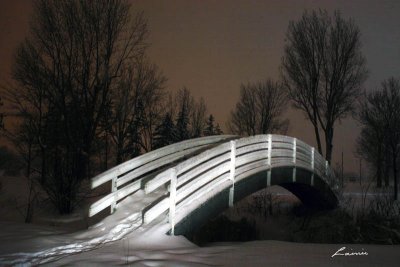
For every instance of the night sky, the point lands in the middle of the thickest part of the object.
(211, 47)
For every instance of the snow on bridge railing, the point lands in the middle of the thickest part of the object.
(127, 177)
(198, 176)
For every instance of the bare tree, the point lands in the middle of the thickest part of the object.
(24, 144)
(372, 141)
(152, 83)
(323, 70)
(380, 136)
(66, 70)
(391, 89)
(124, 109)
(198, 118)
(185, 103)
(259, 109)
(372, 149)
(136, 108)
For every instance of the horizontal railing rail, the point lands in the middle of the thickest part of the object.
(127, 177)
(198, 176)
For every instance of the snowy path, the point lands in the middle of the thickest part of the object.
(35, 245)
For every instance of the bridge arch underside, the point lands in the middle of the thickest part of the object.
(313, 192)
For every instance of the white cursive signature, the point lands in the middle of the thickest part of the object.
(352, 253)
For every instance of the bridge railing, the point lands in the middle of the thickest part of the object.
(127, 177)
(226, 164)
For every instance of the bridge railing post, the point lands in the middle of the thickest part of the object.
(232, 172)
(312, 165)
(172, 200)
(269, 138)
(326, 168)
(115, 197)
(294, 159)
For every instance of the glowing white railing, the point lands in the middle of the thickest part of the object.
(127, 177)
(222, 166)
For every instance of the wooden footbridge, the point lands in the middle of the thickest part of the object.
(190, 181)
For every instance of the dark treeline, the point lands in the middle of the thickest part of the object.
(87, 98)
(184, 118)
(379, 140)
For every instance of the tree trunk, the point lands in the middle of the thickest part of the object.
(119, 155)
(394, 154)
(106, 152)
(378, 175)
(316, 130)
(43, 166)
(379, 169)
(119, 147)
(29, 209)
(386, 170)
(328, 143)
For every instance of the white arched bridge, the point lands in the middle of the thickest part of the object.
(178, 187)
(188, 182)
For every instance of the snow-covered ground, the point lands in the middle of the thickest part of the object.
(121, 240)
(153, 248)
(256, 253)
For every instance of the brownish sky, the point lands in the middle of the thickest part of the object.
(212, 47)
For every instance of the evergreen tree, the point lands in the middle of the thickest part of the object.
(165, 133)
(218, 130)
(210, 129)
(182, 122)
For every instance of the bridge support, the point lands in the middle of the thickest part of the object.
(232, 173)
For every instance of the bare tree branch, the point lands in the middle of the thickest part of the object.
(259, 109)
